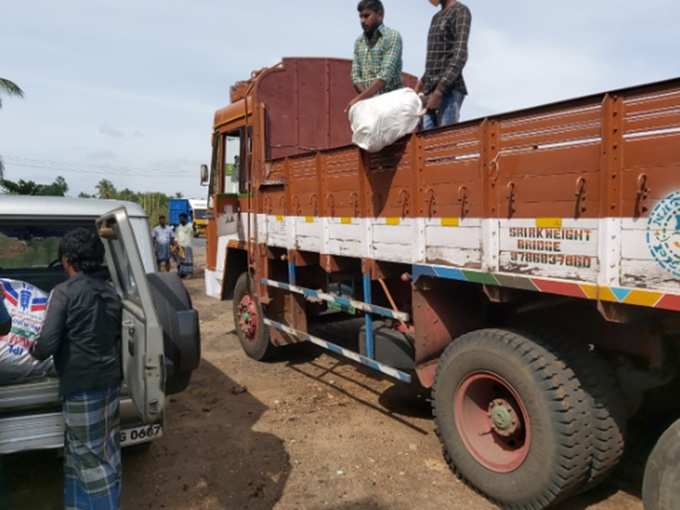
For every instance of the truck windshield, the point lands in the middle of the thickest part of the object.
(200, 214)
(27, 245)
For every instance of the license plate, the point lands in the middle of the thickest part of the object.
(142, 434)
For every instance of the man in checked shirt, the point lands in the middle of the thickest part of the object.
(377, 63)
(447, 53)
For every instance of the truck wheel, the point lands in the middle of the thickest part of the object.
(512, 418)
(661, 487)
(252, 332)
(608, 416)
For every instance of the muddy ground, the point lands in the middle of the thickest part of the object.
(309, 431)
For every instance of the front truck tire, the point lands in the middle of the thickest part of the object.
(513, 419)
(248, 321)
(661, 487)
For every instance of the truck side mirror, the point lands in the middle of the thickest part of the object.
(205, 175)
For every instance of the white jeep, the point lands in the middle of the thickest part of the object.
(160, 329)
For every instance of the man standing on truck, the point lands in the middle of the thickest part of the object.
(377, 63)
(447, 52)
(163, 237)
(82, 331)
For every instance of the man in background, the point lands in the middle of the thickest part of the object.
(447, 53)
(377, 63)
(184, 236)
(82, 331)
(163, 237)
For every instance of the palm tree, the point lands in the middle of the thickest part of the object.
(11, 89)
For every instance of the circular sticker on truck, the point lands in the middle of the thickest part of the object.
(663, 233)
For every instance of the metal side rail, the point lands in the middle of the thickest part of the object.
(315, 295)
(33, 394)
(329, 346)
(31, 432)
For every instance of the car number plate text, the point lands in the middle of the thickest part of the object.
(140, 434)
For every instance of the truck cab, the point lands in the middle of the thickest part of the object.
(159, 331)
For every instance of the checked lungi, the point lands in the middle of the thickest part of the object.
(185, 261)
(92, 464)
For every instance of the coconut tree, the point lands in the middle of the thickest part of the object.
(11, 89)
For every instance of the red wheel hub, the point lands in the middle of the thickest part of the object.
(247, 317)
(492, 421)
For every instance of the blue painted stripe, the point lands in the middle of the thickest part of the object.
(351, 355)
(291, 273)
(311, 294)
(621, 294)
(448, 273)
(368, 298)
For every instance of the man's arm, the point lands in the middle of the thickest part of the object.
(53, 328)
(460, 30)
(5, 319)
(356, 70)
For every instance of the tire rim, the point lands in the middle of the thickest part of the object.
(247, 317)
(493, 422)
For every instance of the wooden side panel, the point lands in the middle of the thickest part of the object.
(451, 196)
(548, 194)
(650, 194)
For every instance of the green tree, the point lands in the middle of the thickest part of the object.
(11, 89)
(106, 189)
(58, 188)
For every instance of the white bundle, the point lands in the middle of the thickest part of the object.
(27, 306)
(384, 119)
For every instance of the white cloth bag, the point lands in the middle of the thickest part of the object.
(27, 305)
(384, 119)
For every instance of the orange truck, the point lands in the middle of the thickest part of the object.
(524, 266)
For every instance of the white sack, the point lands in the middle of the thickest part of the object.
(384, 119)
(27, 305)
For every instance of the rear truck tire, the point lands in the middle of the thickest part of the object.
(512, 418)
(661, 486)
(248, 321)
(607, 407)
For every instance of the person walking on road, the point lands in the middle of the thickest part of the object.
(184, 236)
(443, 84)
(82, 331)
(377, 63)
(163, 238)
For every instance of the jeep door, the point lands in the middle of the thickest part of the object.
(142, 335)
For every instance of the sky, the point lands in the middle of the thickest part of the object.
(126, 89)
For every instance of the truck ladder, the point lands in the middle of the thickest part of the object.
(365, 306)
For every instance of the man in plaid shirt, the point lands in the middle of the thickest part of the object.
(377, 61)
(447, 53)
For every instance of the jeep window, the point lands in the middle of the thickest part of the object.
(33, 245)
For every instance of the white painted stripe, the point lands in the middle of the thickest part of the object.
(476, 244)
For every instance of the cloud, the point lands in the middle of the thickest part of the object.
(101, 155)
(111, 131)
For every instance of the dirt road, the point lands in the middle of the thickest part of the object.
(306, 432)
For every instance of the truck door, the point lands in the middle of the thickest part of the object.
(142, 336)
